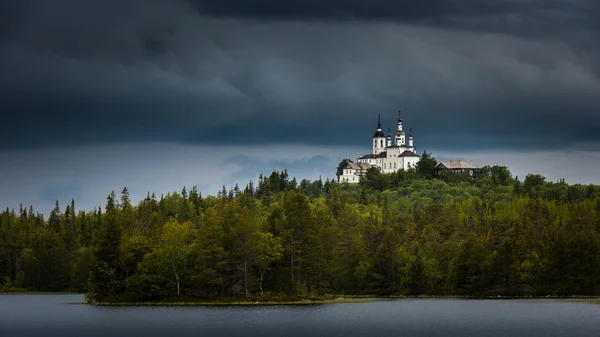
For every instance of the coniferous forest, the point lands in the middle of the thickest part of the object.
(408, 233)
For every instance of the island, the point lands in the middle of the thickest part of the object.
(411, 232)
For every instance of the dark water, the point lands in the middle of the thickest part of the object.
(49, 315)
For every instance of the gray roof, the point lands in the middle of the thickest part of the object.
(396, 146)
(358, 166)
(457, 164)
(373, 156)
(408, 153)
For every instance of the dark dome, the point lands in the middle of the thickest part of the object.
(379, 133)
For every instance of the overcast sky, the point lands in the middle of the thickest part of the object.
(156, 94)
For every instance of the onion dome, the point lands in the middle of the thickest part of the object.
(379, 133)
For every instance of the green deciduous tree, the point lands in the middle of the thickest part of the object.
(176, 244)
(268, 249)
(426, 166)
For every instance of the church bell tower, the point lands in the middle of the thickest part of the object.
(378, 138)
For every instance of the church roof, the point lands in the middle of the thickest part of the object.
(358, 166)
(372, 156)
(457, 164)
(379, 134)
(408, 153)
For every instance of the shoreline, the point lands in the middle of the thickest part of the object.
(40, 293)
(327, 300)
(341, 299)
(232, 303)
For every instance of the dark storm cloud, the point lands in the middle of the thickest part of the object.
(530, 17)
(202, 72)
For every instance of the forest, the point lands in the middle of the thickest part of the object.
(408, 233)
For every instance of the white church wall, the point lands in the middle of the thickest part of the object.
(392, 162)
(348, 175)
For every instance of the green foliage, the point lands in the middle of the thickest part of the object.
(376, 180)
(268, 249)
(105, 277)
(426, 166)
(406, 233)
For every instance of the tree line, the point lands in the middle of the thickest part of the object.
(412, 232)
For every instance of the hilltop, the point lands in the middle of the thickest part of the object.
(406, 233)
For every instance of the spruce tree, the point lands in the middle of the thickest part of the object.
(110, 201)
(125, 200)
(184, 194)
(105, 279)
(54, 218)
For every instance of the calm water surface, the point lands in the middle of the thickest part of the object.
(49, 315)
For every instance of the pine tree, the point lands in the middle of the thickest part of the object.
(517, 187)
(105, 278)
(251, 188)
(184, 194)
(196, 200)
(260, 189)
(293, 185)
(153, 202)
(99, 218)
(110, 201)
(222, 194)
(67, 216)
(125, 200)
(54, 218)
(68, 230)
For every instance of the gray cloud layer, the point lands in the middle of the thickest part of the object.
(521, 17)
(38, 177)
(511, 74)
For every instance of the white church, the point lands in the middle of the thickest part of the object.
(388, 155)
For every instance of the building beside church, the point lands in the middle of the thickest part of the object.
(458, 167)
(388, 155)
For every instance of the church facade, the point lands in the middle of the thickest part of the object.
(388, 154)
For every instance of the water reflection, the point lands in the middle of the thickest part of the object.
(50, 315)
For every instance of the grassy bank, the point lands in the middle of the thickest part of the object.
(239, 302)
(591, 300)
(332, 300)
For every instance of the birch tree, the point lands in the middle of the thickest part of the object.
(177, 242)
(269, 249)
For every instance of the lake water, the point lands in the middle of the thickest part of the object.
(50, 315)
